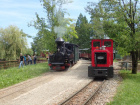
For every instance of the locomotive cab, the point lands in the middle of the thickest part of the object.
(101, 58)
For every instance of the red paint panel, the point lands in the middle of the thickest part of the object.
(108, 50)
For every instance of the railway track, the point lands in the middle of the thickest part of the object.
(85, 95)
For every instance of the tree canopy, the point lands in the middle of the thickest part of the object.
(52, 26)
(12, 42)
(84, 31)
(120, 20)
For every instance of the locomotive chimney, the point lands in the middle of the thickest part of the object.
(59, 42)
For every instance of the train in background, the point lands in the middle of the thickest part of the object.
(101, 58)
(85, 53)
(67, 54)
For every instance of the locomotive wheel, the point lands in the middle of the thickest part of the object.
(51, 68)
(66, 67)
(72, 63)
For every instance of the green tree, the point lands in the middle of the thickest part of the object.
(29, 51)
(83, 29)
(96, 20)
(52, 26)
(121, 23)
(12, 42)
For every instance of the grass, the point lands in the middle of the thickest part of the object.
(115, 60)
(15, 75)
(129, 90)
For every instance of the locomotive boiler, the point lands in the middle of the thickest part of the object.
(101, 58)
(66, 55)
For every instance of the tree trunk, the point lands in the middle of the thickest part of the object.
(134, 61)
(139, 54)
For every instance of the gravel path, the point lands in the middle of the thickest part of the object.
(48, 89)
(108, 90)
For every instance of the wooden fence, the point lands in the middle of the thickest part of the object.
(128, 65)
(15, 63)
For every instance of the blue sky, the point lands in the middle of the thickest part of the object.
(22, 12)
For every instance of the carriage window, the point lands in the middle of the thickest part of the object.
(95, 44)
(107, 43)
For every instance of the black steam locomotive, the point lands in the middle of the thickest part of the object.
(65, 55)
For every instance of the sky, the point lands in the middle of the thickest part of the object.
(21, 12)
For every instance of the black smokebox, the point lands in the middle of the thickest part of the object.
(59, 41)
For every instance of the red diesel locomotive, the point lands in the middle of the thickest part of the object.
(101, 58)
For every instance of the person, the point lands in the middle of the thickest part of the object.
(47, 54)
(29, 59)
(34, 59)
(25, 60)
(21, 59)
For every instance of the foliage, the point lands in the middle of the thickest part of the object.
(120, 20)
(29, 51)
(15, 75)
(128, 91)
(53, 26)
(12, 42)
(96, 20)
(116, 22)
(84, 31)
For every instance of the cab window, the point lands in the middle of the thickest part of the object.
(107, 43)
(95, 44)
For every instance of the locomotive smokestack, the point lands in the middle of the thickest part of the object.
(59, 42)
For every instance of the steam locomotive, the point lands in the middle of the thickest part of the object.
(67, 54)
(101, 58)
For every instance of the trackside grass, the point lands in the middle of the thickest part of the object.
(15, 75)
(115, 60)
(129, 91)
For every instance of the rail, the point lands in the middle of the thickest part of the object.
(63, 103)
(94, 94)
(88, 92)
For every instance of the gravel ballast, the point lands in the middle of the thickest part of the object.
(108, 90)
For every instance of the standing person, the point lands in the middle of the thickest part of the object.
(29, 59)
(21, 59)
(25, 60)
(34, 59)
(47, 55)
